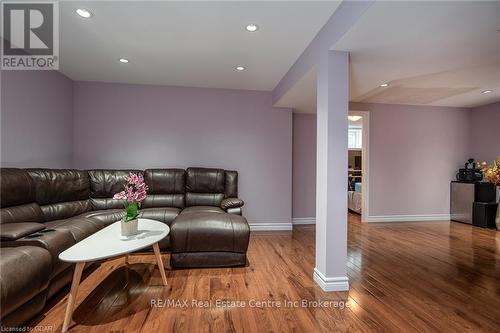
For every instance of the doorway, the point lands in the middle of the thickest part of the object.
(359, 160)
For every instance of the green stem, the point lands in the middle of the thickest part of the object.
(132, 211)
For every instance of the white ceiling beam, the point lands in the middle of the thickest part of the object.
(346, 15)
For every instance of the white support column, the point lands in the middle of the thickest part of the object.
(331, 173)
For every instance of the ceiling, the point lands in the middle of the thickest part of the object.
(188, 43)
(430, 53)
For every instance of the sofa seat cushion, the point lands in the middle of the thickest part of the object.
(54, 241)
(79, 227)
(13, 231)
(65, 210)
(109, 216)
(105, 217)
(24, 272)
(202, 209)
(209, 232)
(106, 203)
(165, 215)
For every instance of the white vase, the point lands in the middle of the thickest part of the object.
(129, 228)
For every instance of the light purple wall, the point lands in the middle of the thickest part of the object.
(141, 126)
(485, 134)
(36, 119)
(304, 165)
(414, 153)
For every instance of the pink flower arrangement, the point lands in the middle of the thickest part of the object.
(135, 189)
(134, 194)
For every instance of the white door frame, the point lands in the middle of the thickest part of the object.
(365, 163)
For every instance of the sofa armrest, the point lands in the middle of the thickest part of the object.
(14, 231)
(229, 203)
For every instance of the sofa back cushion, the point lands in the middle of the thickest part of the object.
(60, 185)
(204, 186)
(17, 193)
(23, 213)
(16, 187)
(61, 193)
(167, 188)
(104, 184)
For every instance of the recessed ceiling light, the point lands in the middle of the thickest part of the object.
(123, 60)
(252, 28)
(383, 85)
(84, 13)
(354, 118)
(240, 68)
(486, 91)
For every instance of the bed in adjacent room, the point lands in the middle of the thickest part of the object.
(354, 199)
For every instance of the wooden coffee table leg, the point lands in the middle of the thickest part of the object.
(77, 275)
(156, 249)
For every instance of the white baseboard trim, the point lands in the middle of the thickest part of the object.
(338, 283)
(286, 226)
(270, 226)
(408, 218)
(303, 220)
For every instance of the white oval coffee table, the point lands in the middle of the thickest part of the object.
(108, 243)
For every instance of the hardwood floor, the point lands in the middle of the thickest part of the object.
(405, 277)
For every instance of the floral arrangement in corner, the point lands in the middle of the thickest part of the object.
(492, 172)
(133, 194)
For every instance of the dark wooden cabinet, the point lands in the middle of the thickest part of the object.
(464, 195)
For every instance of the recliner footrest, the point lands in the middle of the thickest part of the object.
(209, 240)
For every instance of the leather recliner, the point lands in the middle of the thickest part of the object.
(45, 211)
(24, 280)
(203, 235)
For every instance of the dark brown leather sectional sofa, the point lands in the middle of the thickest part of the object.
(45, 211)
